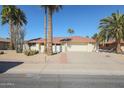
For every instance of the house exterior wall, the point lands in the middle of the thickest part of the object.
(64, 48)
(57, 48)
(91, 47)
(110, 46)
(4, 45)
(25, 47)
(40, 48)
(87, 47)
(122, 47)
(34, 47)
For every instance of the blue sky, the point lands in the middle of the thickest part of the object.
(83, 19)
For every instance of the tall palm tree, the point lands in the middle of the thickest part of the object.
(7, 16)
(45, 27)
(19, 22)
(70, 31)
(51, 9)
(112, 27)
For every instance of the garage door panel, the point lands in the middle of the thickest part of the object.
(77, 48)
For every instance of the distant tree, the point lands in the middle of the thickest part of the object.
(87, 36)
(70, 31)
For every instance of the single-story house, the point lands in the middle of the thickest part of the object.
(111, 44)
(4, 43)
(63, 44)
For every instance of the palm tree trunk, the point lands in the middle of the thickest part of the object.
(50, 52)
(118, 47)
(45, 32)
(16, 34)
(11, 36)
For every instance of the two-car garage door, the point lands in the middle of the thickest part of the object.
(79, 48)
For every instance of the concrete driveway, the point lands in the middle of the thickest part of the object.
(94, 58)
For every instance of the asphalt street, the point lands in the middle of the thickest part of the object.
(61, 81)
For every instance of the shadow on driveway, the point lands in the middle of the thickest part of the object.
(6, 65)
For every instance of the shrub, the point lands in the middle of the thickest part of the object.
(27, 52)
(2, 52)
(31, 52)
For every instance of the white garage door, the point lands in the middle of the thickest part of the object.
(77, 48)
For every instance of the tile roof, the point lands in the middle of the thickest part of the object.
(58, 40)
(4, 40)
(81, 39)
(113, 41)
(36, 40)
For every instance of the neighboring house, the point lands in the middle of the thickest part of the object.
(4, 43)
(62, 44)
(111, 44)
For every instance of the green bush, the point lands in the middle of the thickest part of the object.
(31, 52)
(2, 52)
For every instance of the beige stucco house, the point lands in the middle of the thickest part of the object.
(63, 44)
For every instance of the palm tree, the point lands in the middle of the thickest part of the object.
(102, 36)
(70, 31)
(19, 22)
(45, 27)
(7, 16)
(95, 36)
(51, 10)
(20, 18)
(112, 27)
